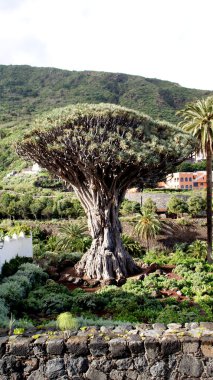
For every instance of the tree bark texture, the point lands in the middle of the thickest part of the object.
(106, 259)
(209, 203)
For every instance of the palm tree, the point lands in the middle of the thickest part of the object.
(198, 120)
(148, 226)
(74, 237)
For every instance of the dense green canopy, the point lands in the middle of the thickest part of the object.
(107, 141)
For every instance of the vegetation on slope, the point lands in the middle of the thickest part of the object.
(26, 91)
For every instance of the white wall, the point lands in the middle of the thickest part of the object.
(17, 245)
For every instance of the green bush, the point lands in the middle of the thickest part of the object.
(4, 312)
(129, 207)
(133, 247)
(11, 267)
(66, 321)
(48, 299)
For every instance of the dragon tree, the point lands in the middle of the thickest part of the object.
(102, 150)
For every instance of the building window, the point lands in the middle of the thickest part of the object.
(190, 179)
(182, 187)
(190, 186)
(186, 186)
(195, 184)
(186, 179)
(181, 180)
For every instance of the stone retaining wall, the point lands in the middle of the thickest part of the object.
(117, 353)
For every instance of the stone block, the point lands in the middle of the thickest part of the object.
(55, 346)
(20, 347)
(103, 364)
(136, 346)
(77, 345)
(132, 375)
(117, 375)
(207, 346)
(3, 341)
(140, 363)
(124, 364)
(118, 348)
(170, 346)
(209, 368)
(98, 347)
(206, 325)
(37, 375)
(76, 366)
(190, 366)
(94, 374)
(158, 369)
(30, 365)
(55, 369)
(152, 348)
(190, 345)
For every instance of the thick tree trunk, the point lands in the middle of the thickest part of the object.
(107, 258)
(209, 204)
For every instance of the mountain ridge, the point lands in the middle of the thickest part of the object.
(26, 92)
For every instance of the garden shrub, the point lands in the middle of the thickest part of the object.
(4, 312)
(133, 247)
(66, 321)
(50, 298)
(129, 207)
(11, 267)
(34, 273)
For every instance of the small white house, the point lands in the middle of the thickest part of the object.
(17, 245)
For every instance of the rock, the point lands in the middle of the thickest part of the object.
(140, 363)
(76, 366)
(190, 345)
(55, 346)
(30, 365)
(124, 364)
(20, 346)
(209, 367)
(191, 325)
(132, 375)
(136, 346)
(152, 348)
(55, 368)
(159, 326)
(158, 369)
(206, 325)
(3, 341)
(141, 277)
(170, 346)
(78, 281)
(174, 326)
(190, 366)
(94, 374)
(116, 375)
(98, 347)
(118, 348)
(207, 346)
(77, 345)
(121, 281)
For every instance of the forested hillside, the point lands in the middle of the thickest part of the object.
(27, 91)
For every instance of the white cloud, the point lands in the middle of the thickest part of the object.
(162, 39)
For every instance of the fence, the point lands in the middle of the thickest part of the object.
(17, 245)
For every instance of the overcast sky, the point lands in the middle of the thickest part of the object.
(165, 39)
